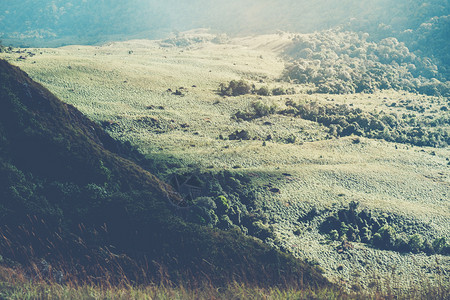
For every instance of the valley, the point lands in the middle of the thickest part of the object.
(162, 97)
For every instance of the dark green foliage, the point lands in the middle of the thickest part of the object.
(263, 91)
(415, 243)
(291, 139)
(223, 205)
(203, 211)
(235, 88)
(440, 245)
(279, 91)
(258, 109)
(382, 231)
(342, 62)
(262, 230)
(385, 237)
(343, 120)
(430, 38)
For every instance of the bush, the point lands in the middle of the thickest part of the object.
(258, 109)
(263, 91)
(204, 211)
(261, 109)
(235, 88)
(279, 91)
(415, 243)
(239, 135)
(222, 203)
(262, 230)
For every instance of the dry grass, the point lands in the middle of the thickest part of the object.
(15, 284)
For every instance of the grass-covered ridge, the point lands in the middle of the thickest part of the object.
(69, 198)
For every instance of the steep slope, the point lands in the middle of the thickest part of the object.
(67, 196)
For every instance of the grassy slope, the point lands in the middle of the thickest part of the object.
(50, 141)
(109, 84)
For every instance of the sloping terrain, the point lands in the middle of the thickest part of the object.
(275, 157)
(68, 198)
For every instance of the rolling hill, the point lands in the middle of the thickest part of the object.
(299, 169)
(75, 198)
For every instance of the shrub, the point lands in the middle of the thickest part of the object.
(262, 230)
(386, 237)
(278, 91)
(223, 205)
(203, 211)
(263, 91)
(239, 135)
(415, 243)
(261, 109)
(439, 245)
(235, 88)
(257, 109)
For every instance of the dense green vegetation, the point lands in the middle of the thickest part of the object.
(386, 232)
(343, 120)
(340, 62)
(68, 198)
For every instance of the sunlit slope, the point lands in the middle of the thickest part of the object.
(131, 89)
(126, 84)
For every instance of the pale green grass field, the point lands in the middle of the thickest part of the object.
(118, 82)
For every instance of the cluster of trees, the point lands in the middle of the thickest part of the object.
(381, 232)
(343, 120)
(229, 204)
(243, 87)
(431, 39)
(221, 213)
(181, 40)
(340, 62)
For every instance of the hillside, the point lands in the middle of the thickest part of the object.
(300, 170)
(72, 197)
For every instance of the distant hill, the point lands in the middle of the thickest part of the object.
(67, 196)
(85, 21)
(422, 25)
